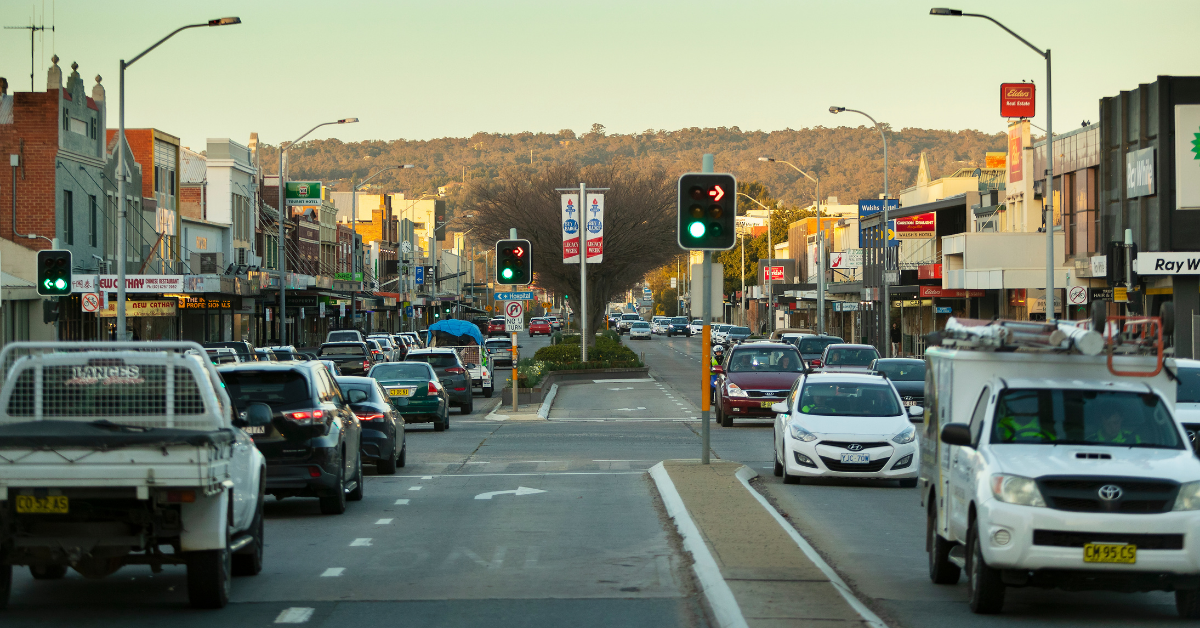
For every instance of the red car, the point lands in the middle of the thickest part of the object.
(539, 326)
(496, 328)
(754, 377)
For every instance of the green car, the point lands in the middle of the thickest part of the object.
(415, 392)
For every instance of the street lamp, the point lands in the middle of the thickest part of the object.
(887, 301)
(354, 223)
(122, 236)
(820, 245)
(283, 149)
(770, 259)
(1048, 205)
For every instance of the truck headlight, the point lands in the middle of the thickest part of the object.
(800, 433)
(908, 435)
(1014, 489)
(735, 391)
(1189, 497)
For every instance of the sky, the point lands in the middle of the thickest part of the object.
(423, 69)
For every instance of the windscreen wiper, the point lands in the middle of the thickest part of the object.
(117, 427)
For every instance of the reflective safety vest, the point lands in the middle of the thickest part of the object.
(1012, 430)
(1123, 437)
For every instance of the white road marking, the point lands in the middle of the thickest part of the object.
(383, 522)
(521, 490)
(333, 572)
(360, 543)
(294, 615)
(531, 556)
(401, 502)
(414, 488)
(425, 477)
(470, 463)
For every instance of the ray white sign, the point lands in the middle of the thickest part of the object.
(1164, 263)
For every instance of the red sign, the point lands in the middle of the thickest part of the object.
(1015, 159)
(919, 226)
(775, 271)
(938, 291)
(926, 271)
(1017, 100)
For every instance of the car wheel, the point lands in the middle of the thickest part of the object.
(386, 467)
(467, 408)
(208, 578)
(941, 570)
(47, 572)
(778, 469)
(725, 419)
(985, 588)
(356, 495)
(335, 504)
(400, 462)
(1187, 603)
(249, 561)
(788, 478)
(487, 391)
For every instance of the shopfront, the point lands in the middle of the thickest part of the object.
(147, 317)
(210, 317)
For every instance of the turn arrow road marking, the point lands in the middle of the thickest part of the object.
(521, 490)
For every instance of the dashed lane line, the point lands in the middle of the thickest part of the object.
(294, 615)
(414, 488)
(383, 522)
(333, 572)
(401, 502)
(365, 542)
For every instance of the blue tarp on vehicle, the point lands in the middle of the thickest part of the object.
(455, 327)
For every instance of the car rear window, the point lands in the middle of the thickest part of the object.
(436, 360)
(400, 370)
(278, 389)
(740, 330)
(1189, 386)
(344, 335)
(342, 350)
(818, 344)
(851, 357)
(493, 345)
(902, 370)
(641, 324)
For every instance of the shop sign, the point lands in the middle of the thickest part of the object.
(302, 300)
(850, 258)
(1139, 173)
(156, 307)
(920, 226)
(203, 303)
(143, 283)
(872, 206)
(1100, 294)
(302, 193)
(994, 160)
(941, 309)
(1187, 156)
(776, 273)
(83, 283)
(1166, 263)
(348, 276)
(1017, 100)
(948, 293)
(1016, 134)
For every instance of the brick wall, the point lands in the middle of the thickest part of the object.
(33, 135)
(190, 205)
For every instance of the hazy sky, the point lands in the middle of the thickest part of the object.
(424, 69)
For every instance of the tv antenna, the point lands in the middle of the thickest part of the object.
(32, 58)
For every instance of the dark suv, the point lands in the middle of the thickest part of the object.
(451, 372)
(679, 326)
(352, 358)
(313, 444)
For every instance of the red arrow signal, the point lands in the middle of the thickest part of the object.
(717, 193)
(520, 251)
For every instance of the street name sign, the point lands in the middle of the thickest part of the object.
(514, 316)
(514, 296)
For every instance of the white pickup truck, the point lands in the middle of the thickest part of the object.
(126, 453)
(1056, 469)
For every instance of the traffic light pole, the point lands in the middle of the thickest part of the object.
(706, 343)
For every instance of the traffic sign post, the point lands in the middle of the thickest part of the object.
(514, 321)
(1077, 295)
(90, 301)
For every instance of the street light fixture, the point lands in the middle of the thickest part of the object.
(283, 149)
(820, 246)
(1048, 203)
(122, 212)
(887, 302)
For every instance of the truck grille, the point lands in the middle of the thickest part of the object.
(840, 467)
(1063, 538)
(1083, 494)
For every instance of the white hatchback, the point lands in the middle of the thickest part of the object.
(848, 426)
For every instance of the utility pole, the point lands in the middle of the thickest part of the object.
(706, 342)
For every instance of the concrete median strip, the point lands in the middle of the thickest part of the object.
(754, 568)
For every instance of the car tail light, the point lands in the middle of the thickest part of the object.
(460, 389)
(314, 472)
(305, 417)
(179, 497)
(366, 364)
(433, 388)
(816, 363)
(457, 370)
(373, 416)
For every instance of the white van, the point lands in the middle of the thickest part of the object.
(344, 335)
(1055, 469)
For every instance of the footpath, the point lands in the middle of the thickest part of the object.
(754, 568)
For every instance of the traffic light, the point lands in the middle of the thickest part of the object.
(707, 211)
(513, 262)
(54, 273)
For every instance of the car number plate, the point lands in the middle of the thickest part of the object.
(400, 392)
(1109, 553)
(856, 458)
(51, 504)
(909, 402)
(255, 429)
(768, 404)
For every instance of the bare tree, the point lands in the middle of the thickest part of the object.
(639, 229)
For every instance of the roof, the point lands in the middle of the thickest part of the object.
(1078, 384)
(193, 167)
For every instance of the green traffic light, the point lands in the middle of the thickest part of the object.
(507, 273)
(60, 284)
(696, 229)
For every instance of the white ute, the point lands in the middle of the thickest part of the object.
(126, 453)
(1057, 466)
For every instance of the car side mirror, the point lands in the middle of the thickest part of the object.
(916, 414)
(356, 396)
(957, 434)
(718, 370)
(258, 415)
(779, 408)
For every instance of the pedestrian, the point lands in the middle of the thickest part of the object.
(895, 340)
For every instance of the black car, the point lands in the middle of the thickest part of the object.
(735, 335)
(382, 426)
(812, 347)
(243, 349)
(352, 358)
(679, 326)
(312, 445)
(907, 375)
(452, 374)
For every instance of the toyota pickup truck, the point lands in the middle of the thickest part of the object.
(126, 453)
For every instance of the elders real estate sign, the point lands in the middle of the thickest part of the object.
(1017, 100)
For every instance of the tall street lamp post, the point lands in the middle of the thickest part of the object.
(283, 217)
(354, 223)
(1048, 205)
(770, 260)
(887, 301)
(820, 244)
(122, 236)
